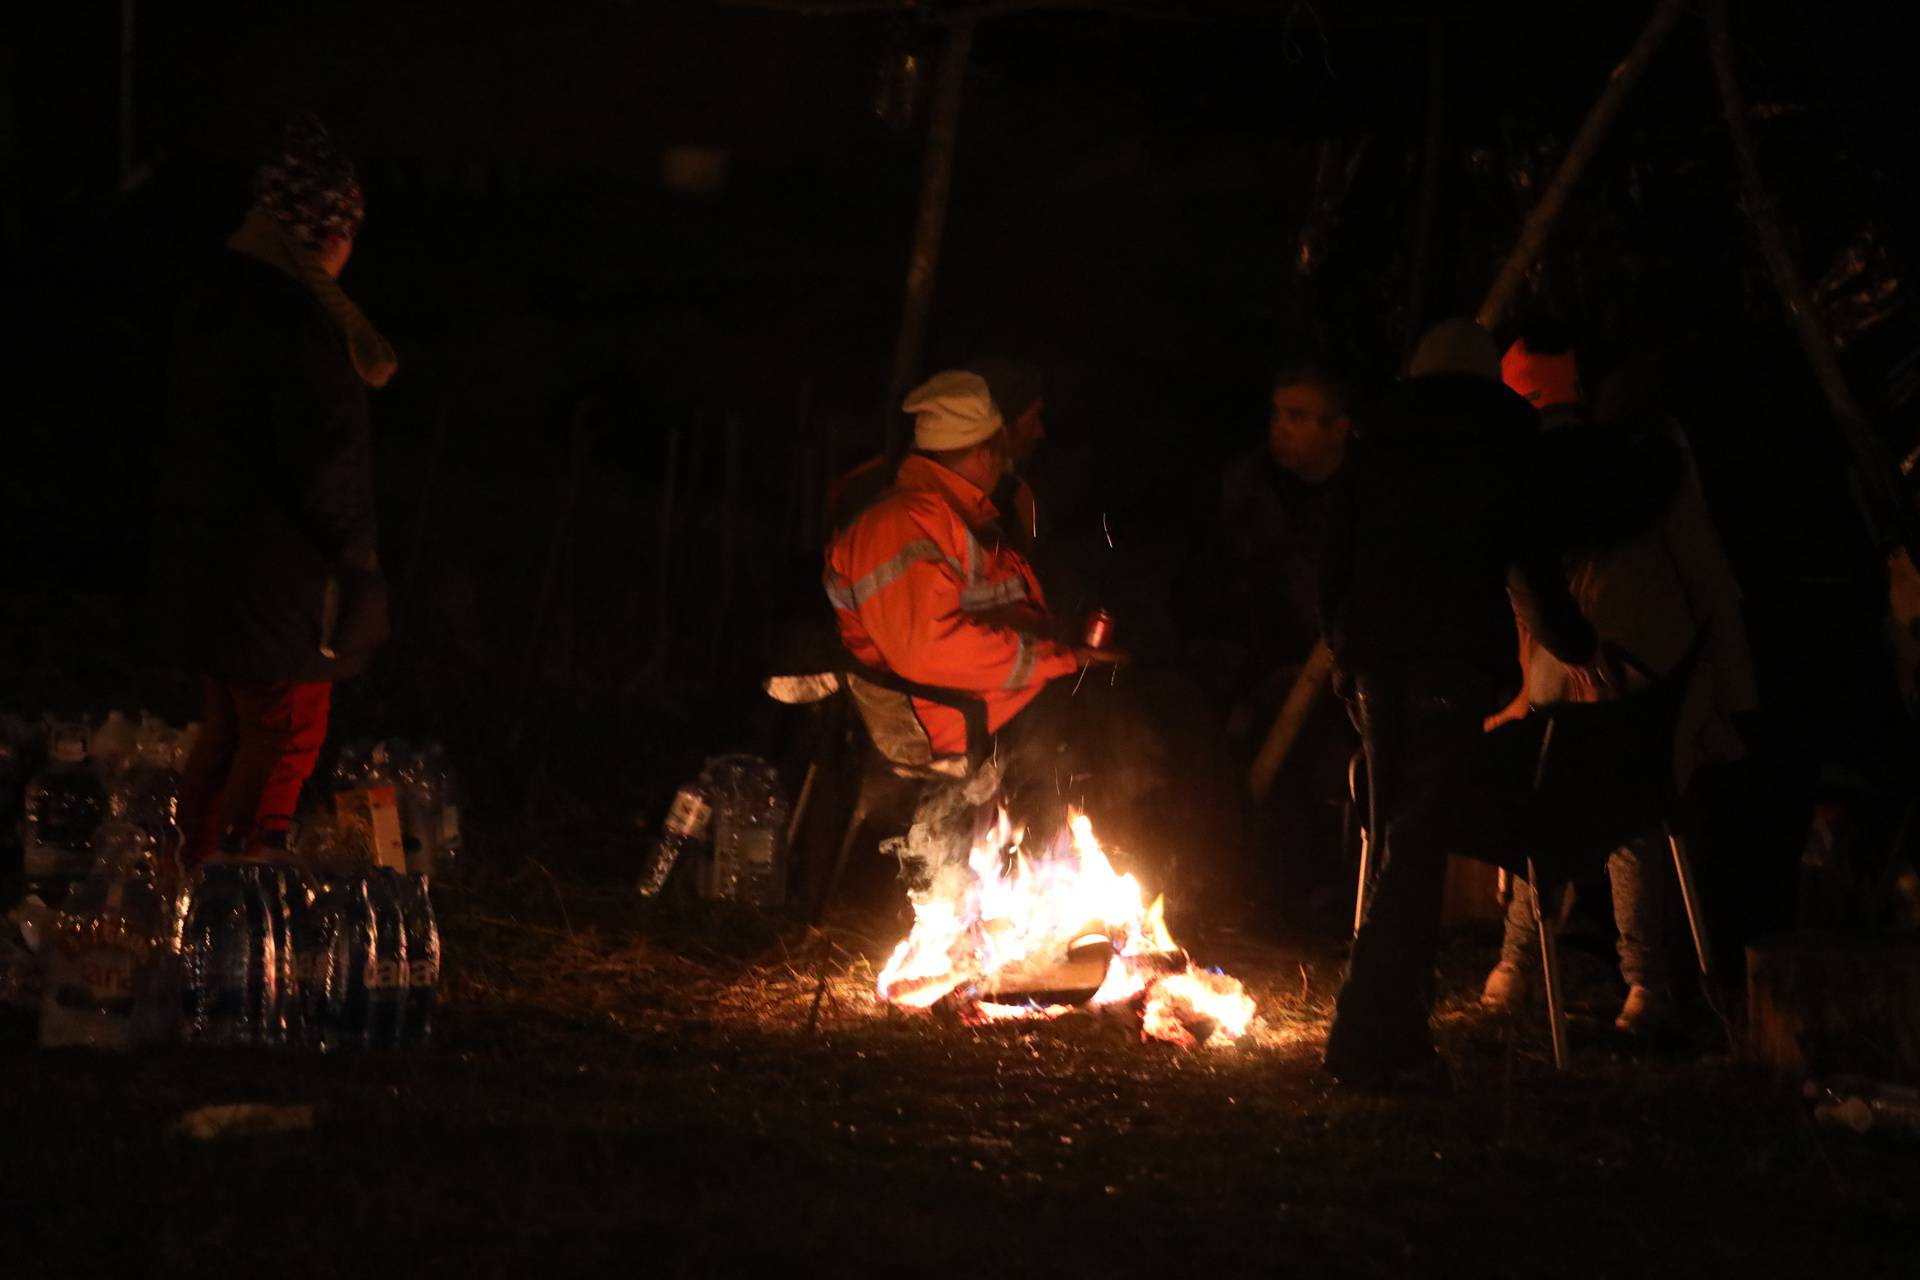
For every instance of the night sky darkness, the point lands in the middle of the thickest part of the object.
(1128, 194)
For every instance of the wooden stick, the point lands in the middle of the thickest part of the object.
(1881, 504)
(936, 186)
(1533, 233)
(1292, 718)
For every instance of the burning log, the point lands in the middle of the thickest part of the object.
(1019, 938)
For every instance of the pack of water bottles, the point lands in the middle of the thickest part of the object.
(62, 780)
(725, 836)
(417, 786)
(320, 949)
(113, 943)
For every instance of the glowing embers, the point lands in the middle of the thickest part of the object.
(1006, 936)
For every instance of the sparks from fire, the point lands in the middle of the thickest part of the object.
(1005, 922)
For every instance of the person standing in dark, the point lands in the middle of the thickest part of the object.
(276, 566)
(1438, 503)
(1258, 578)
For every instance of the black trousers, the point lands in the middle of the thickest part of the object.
(1434, 793)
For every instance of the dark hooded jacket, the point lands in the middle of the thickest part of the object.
(1438, 503)
(270, 484)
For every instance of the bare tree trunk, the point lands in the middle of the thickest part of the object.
(1533, 233)
(936, 185)
(1877, 492)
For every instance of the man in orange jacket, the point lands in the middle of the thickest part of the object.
(927, 585)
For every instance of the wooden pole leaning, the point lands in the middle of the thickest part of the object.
(1539, 222)
(930, 223)
(1879, 494)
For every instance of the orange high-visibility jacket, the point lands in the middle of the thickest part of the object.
(925, 590)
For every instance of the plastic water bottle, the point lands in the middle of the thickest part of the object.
(1862, 1105)
(423, 959)
(105, 952)
(435, 768)
(749, 831)
(387, 979)
(227, 957)
(429, 814)
(147, 794)
(683, 837)
(346, 920)
(281, 1022)
(64, 806)
(312, 960)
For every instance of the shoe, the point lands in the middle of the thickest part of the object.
(1646, 1009)
(1506, 988)
(1423, 1074)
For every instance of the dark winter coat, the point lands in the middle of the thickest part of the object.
(270, 483)
(1439, 501)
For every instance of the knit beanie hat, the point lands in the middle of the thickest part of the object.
(1015, 384)
(1456, 346)
(952, 410)
(1543, 380)
(310, 186)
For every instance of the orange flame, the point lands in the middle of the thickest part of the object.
(1005, 914)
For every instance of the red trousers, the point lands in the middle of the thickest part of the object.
(258, 742)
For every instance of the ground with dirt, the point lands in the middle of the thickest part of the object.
(624, 1091)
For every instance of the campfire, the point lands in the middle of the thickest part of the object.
(1008, 935)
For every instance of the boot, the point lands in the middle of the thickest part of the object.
(1646, 1008)
(1506, 988)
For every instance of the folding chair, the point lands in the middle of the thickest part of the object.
(1549, 943)
(896, 759)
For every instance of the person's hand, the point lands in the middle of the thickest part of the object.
(1518, 709)
(1104, 657)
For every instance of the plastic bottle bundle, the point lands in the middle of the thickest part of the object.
(63, 807)
(107, 960)
(374, 948)
(230, 966)
(749, 830)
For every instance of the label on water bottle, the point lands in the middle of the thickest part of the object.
(386, 974)
(423, 974)
(690, 813)
(376, 810)
(758, 846)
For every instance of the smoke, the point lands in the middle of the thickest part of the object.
(947, 821)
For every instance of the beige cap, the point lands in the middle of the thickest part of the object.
(952, 410)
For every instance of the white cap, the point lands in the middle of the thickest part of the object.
(952, 410)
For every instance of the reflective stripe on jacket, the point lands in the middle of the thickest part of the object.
(925, 588)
